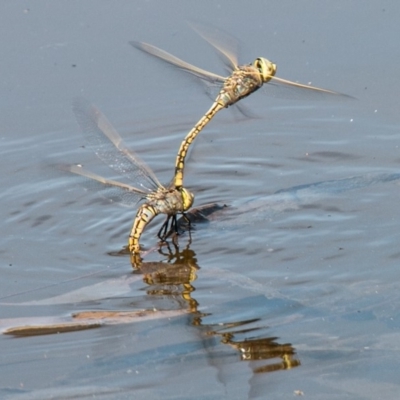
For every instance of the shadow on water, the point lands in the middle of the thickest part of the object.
(282, 200)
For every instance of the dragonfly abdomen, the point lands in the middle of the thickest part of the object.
(144, 215)
(180, 159)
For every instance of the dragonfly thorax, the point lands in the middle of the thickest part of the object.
(170, 201)
(266, 68)
(244, 80)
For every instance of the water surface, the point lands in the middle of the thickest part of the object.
(292, 289)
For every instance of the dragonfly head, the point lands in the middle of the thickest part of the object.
(266, 68)
(187, 199)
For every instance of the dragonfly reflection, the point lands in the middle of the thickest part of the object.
(175, 279)
(243, 80)
(170, 291)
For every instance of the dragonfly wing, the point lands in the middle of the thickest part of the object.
(225, 44)
(108, 188)
(283, 88)
(177, 62)
(106, 143)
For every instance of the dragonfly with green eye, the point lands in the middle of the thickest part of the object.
(244, 80)
(107, 144)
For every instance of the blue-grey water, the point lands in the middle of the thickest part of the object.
(291, 289)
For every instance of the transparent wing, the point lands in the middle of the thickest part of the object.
(225, 44)
(284, 88)
(228, 47)
(177, 62)
(105, 142)
(108, 188)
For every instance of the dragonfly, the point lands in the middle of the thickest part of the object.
(107, 144)
(243, 80)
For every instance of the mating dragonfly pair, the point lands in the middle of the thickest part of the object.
(173, 199)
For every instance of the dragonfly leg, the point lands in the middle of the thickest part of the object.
(171, 227)
(162, 245)
(162, 233)
(187, 220)
(174, 227)
(190, 237)
(174, 224)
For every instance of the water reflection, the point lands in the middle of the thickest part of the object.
(170, 286)
(173, 278)
(176, 278)
(264, 349)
